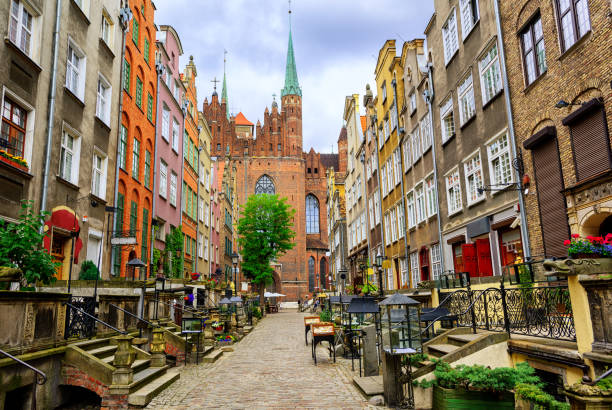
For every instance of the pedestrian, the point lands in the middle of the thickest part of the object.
(299, 304)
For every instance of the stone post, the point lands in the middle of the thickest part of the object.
(370, 357)
(124, 357)
(392, 388)
(158, 348)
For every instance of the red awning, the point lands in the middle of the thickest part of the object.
(66, 220)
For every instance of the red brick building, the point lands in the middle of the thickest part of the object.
(269, 159)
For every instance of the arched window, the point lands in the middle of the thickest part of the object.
(311, 274)
(264, 185)
(323, 273)
(312, 214)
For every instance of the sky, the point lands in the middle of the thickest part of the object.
(336, 44)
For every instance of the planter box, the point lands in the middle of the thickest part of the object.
(221, 343)
(13, 163)
(451, 399)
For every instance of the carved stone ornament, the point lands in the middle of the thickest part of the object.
(594, 193)
(568, 267)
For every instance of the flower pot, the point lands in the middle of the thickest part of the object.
(13, 163)
(448, 399)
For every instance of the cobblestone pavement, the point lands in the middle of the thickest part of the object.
(270, 368)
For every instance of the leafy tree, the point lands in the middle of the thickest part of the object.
(174, 251)
(265, 233)
(21, 246)
(89, 271)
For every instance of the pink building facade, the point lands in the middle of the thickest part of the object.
(215, 219)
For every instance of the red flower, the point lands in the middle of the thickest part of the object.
(575, 235)
(567, 242)
(599, 239)
(609, 236)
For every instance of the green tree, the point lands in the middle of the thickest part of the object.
(174, 251)
(89, 271)
(21, 246)
(265, 233)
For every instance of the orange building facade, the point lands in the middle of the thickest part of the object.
(135, 153)
(190, 168)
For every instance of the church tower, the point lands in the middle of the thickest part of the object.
(291, 100)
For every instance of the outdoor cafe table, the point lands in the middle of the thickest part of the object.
(308, 320)
(323, 332)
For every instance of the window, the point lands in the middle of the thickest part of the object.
(20, 27)
(265, 185)
(106, 29)
(436, 261)
(69, 158)
(136, 159)
(312, 214)
(127, 68)
(184, 200)
(146, 50)
(490, 77)
(383, 179)
(138, 92)
(103, 100)
(453, 192)
(135, 30)
(133, 218)
(384, 91)
(534, 53)
(574, 21)
(147, 169)
(381, 139)
(371, 212)
(145, 234)
(165, 128)
(401, 226)
(407, 154)
(201, 209)
(397, 164)
(426, 137)
(393, 221)
(469, 16)
(416, 145)
(206, 249)
(377, 207)
(421, 213)
(163, 179)
(393, 115)
(473, 179)
(118, 228)
(414, 269)
(363, 226)
(450, 37)
(499, 161)
(412, 102)
(175, 135)
(430, 196)
(122, 147)
(411, 210)
(389, 167)
(14, 122)
(447, 119)
(467, 107)
(149, 107)
(98, 177)
(75, 71)
(200, 247)
(386, 128)
(387, 231)
(206, 214)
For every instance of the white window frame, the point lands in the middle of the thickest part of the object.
(419, 199)
(393, 116)
(407, 152)
(393, 221)
(496, 150)
(401, 225)
(453, 191)
(79, 70)
(22, 35)
(377, 206)
(383, 179)
(165, 124)
(206, 213)
(411, 209)
(75, 153)
(175, 135)
(413, 105)
(206, 249)
(436, 261)
(163, 179)
(397, 164)
(430, 196)
(474, 178)
(363, 226)
(490, 74)
(104, 95)
(450, 37)
(387, 230)
(386, 128)
(415, 270)
(467, 105)
(371, 212)
(416, 145)
(200, 245)
(446, 111)
(390, 184)
(404, 281)
(106, 28)
(99, 173)
(469, 16)
(426, 137)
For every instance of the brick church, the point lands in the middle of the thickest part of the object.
(269, 158)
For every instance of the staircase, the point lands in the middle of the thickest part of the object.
(174, 338)
(95, 358)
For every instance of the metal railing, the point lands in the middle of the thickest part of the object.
(81, 311)
(80, 324)
(183, 308)
(41, 377)
(134, 316)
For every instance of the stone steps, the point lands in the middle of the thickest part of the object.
(148, 392)
(441, 349)
(104, 351)
(213, 356)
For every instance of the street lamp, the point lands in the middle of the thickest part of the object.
(235, 258)
(379, 262)
(160, 284)
(343, 271)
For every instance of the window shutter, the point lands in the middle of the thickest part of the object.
(549, 184)
(590, 145)
(483, 251)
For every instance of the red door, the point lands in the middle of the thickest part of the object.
(483, 250)
(470, 260)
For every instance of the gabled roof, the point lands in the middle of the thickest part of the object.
(240, 119)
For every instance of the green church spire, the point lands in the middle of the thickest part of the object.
(292, 86)
(224, 90)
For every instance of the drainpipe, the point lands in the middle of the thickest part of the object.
(125, 15)
(51, 117)
(394, 83)
(519, 186)
(429, 95)
(159, 68)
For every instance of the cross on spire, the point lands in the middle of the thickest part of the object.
(274, 96)
(215, 81)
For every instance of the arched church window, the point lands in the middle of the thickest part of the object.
(311, 274)
(264, 185)
(312, 214)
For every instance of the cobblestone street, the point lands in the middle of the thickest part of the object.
(270, 368)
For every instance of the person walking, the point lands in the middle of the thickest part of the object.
(299, 304)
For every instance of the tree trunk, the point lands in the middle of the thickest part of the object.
(262, 299)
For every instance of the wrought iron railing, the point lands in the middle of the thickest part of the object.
(79, 322)
(85, 316)
(40, 376)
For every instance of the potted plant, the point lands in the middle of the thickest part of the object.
(590, 247)
(13, 160)
(195, 276)
(217, 326)
(225, 339)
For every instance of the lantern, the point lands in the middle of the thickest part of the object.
(400, 324)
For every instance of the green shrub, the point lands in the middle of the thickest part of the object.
(325, 315)
(89, 271)
(256, 312)
(541, 399)
(605, 384)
